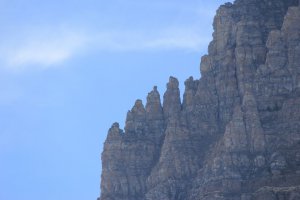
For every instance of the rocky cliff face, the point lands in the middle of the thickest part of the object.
(236, 134)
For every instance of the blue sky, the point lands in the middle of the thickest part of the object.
(69, 69)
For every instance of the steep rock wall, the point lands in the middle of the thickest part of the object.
(236, 134)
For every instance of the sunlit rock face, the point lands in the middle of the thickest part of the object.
(235, 135)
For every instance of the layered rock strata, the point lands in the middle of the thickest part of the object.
(235, 134)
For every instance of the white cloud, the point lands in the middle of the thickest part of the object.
(183, 38)
(167, 39)
(52, 44)
(44, 49)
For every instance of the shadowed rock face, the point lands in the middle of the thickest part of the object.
(236, 134)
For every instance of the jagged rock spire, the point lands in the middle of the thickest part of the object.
(236, 135)
(114, 132)
(154, 110)
(136, 118)
(191, 87)
(172, 103)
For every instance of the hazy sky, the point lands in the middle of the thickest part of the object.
(70, 68)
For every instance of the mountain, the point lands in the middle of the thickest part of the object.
(236, 133)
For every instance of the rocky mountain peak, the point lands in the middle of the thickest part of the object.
(172, 102)
(236, 134)
(114, 132)
(154, 110)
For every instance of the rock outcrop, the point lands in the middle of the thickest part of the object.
(236, 133)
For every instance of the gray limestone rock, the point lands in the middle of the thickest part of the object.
(236, 133)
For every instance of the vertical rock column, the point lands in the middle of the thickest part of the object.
(113, 179)
(129, 157)
(171, 175)
(155, 118)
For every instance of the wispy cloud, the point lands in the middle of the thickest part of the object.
(175, 25)
(46, 49)
(179, 38)
(42, 48)
(167, 39)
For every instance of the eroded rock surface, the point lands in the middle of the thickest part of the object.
(236, 134)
